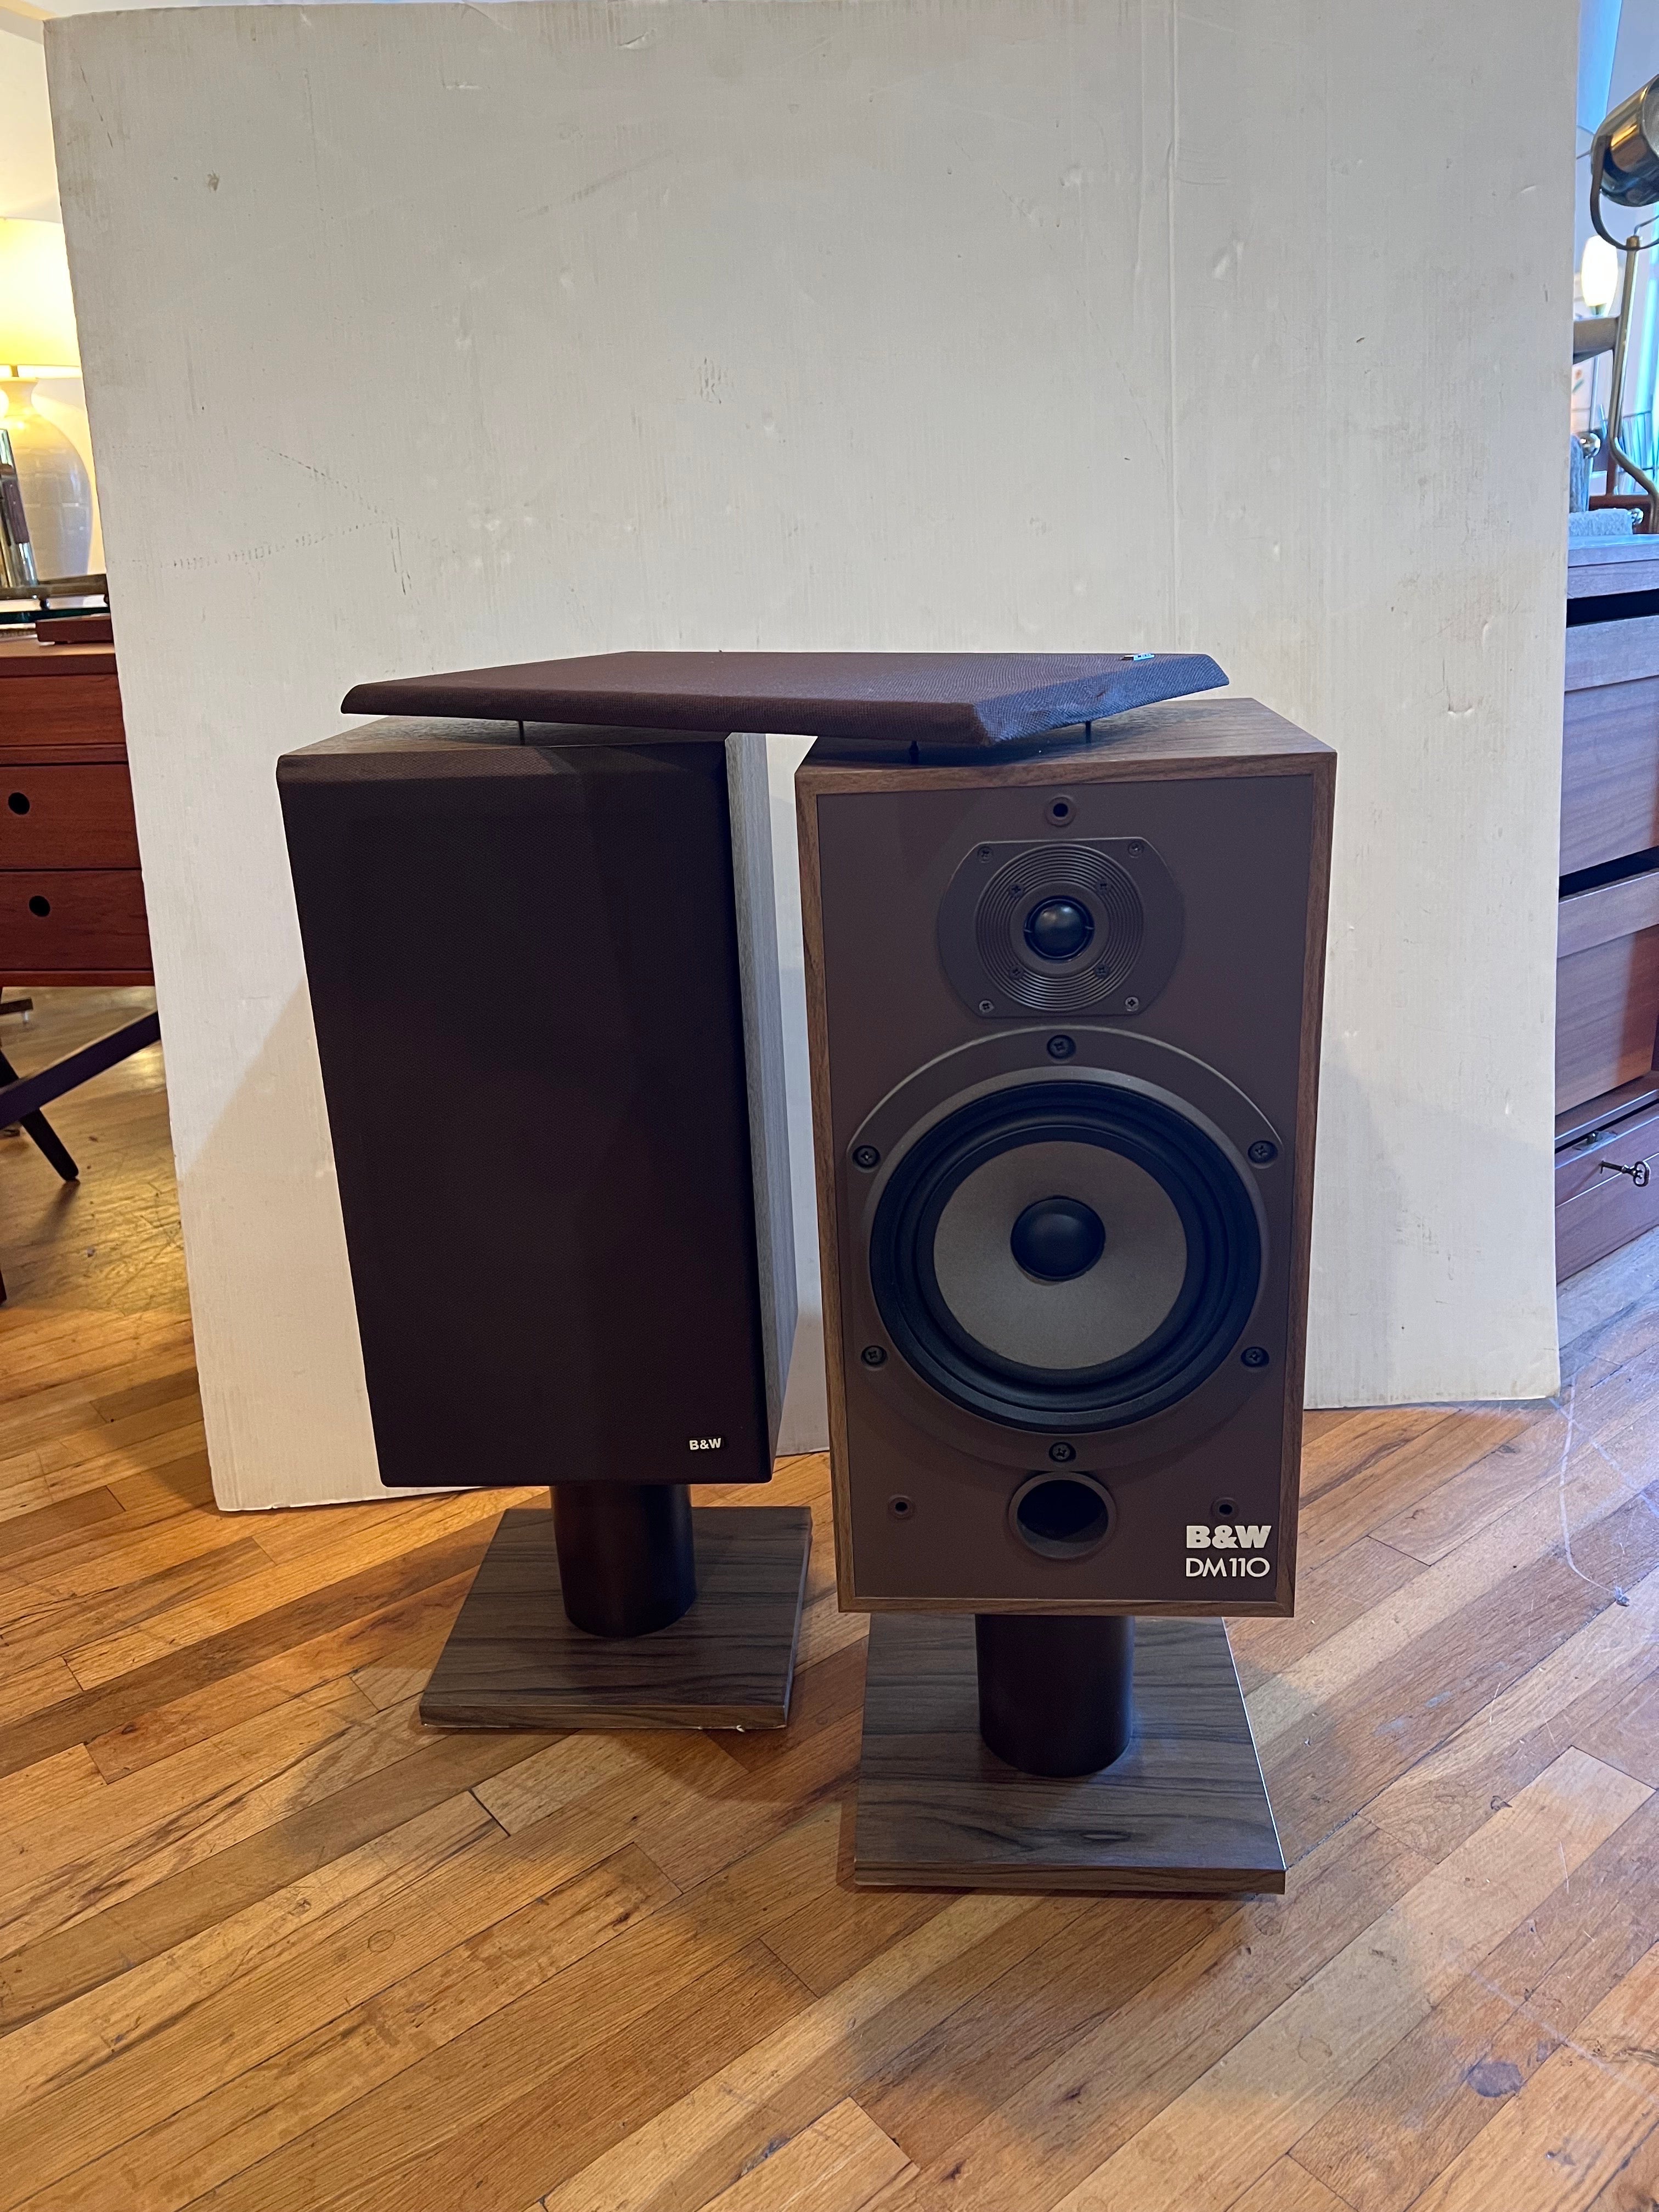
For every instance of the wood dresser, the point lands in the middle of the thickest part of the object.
(72, 896)
(1606, 1089)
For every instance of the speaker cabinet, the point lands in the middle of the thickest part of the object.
(544, 981)
(542, 963)
(1065, 1018)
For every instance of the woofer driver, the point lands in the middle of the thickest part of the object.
(1065, 1257)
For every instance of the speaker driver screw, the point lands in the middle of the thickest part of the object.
(984, 853)
(1062, 1452)
(1061, 1048)
(1262, 1152)
(1132, 1005)
(1254, 1357)
(865, 1156)
(988, 1005)
(1134, 849)
(873, 1356)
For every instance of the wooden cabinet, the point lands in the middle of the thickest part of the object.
(1606, 1083)
(72, 896)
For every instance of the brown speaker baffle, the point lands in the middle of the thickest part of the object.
(1059, 927)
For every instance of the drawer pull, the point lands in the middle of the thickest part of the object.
(41, 906)
(19, 802)
(1639, 1175)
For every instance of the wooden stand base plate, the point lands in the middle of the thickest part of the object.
(514, 1661)
(1183, 1812)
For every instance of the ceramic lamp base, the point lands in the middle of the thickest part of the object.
(53, 480)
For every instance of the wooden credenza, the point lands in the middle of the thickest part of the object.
(71, 895)
(1607, 1087)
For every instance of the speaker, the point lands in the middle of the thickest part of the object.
(543, 971)
(1064, 1015)
(543, 966)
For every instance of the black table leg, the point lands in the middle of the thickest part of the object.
(36, 1125)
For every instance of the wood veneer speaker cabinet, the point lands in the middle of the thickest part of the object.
(1606, 1091)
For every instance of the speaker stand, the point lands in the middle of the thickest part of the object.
(1182, 1809)
(684, 1617)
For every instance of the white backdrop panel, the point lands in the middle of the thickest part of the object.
(429, 337)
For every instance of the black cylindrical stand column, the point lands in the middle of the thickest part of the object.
(1056, 1690)
(626, 1564)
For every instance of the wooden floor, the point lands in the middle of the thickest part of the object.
(269, 1946)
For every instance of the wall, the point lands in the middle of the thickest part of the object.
(428, 337)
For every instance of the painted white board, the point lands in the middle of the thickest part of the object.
(429, 337)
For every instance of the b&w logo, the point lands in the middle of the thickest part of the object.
(1236, 1547)
(704, 1443)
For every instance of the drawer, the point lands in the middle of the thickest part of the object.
(61, 718)
(1612, 651)
(1609, 774)
(67, 818)
(89, 920)
(1607, 1009)
(1595, 1211)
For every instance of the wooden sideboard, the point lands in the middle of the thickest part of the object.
(72, 896)
(1607, 1086)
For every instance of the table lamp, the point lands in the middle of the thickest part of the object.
(37, 339)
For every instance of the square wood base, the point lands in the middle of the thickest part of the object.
(1184, 1811)
(515, 1661)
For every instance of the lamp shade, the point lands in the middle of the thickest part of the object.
(37, 314)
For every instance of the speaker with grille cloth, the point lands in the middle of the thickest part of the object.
(1065, 1021)
(543, 969)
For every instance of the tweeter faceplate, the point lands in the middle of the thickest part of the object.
(1006, 957)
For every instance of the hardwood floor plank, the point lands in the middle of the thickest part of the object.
(334, 1602)
(1285, 2187)
(370, 1650)
(934, 2095)
(1453, 1670)
(1247, 2111)
(144, 1924)
(841, 1929)
(1589, 1489)
(1565, 2138)
(1338, 1445)
(1112, 2080)
(1327, 1599)
(67, 1782)
(61, 2048)
(68, 1861)
(1385, 1480)
(841, 2163)
(175, 1386)
(23, 1534)
(715, 2131)
(527, 2094)
(51, 1627)
(1384, 2143)
(26, 1690)
(1435, 1804)
(201, 1619)
(279, 2051)
(208, 2138)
